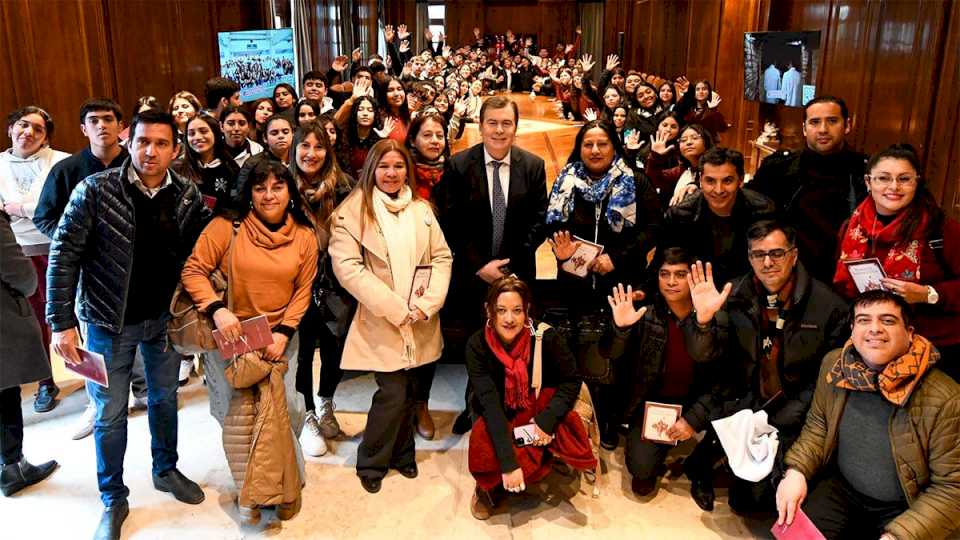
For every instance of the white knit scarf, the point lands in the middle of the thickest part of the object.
(396, 221)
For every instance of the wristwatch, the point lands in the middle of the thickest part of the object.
(932, 296)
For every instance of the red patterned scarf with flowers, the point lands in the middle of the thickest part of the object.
(866, 236)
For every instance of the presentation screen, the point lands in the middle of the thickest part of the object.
(780, 68)
(258, 60)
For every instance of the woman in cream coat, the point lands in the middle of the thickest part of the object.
(385, 236)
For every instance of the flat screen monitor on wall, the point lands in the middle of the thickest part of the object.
(258, 60)
(780, 68)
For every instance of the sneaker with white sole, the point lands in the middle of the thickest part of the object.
(329, 426)
(85, 424)
(186, 366)
(138, 403)
(312, 440)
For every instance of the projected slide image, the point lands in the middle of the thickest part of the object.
(258, 60)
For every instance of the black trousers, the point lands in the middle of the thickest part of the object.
(423, 382)
(11, 426)
(313, 332)
(840, 511)
(388, 438)
(643, 458)
(745, 497)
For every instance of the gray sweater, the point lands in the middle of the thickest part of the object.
(864, 455)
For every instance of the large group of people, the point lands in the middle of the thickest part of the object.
(340, 216)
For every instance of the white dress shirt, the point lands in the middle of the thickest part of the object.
(134, 179)
(504, 176)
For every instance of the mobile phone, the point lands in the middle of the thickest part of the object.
(524, 435)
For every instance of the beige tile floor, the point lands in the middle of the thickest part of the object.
(434, 505)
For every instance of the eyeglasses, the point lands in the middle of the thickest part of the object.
(774, 254)
(885, 180)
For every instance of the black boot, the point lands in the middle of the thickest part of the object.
(703, 494)
(462, 424)
(17, 476)
(111, 521)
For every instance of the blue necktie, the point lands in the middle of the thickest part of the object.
(499, 210)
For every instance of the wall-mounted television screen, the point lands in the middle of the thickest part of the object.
(780, 68)
(258, 60)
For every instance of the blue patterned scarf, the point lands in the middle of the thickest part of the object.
(618, 183)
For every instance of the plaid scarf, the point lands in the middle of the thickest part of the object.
(895, 382)
(774, 308)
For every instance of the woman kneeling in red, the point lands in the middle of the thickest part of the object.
(500, 366)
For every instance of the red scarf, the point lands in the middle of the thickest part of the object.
(866, 236)
(517, 381)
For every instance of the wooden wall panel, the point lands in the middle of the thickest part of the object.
(55, 55)
(59, 53)
(551, 20)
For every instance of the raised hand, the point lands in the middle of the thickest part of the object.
(360, 88)
(681, 85)
(404, 46)
(446, 51)
(578, 30)
(568, 49)
(460, 107)
(356, 55)
(632, 140)
(612, 62)
(590, 115)
(339, 63)
(707, 300)
(714, 100)
(528, 41)
(388, 33)
(388, 124)
(476, 32)
(586, 63)
(428, 34)
(402, 32)
(658, 142)
(563, 246)
(442, 37)
(621, 305)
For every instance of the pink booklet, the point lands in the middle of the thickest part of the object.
(256, 335)
(801, 529)
(92, 367)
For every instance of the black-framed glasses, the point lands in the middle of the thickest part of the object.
(774, 254)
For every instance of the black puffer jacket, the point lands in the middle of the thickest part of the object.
(691, 224)
(638, 354)
(95, 240)
(817, 323)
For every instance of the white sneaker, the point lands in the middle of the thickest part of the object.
(138, 403)
(312, 441)
(186, 366)
(85, 425)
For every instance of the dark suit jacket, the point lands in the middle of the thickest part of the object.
(463, 203)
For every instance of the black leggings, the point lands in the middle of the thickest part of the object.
(11, 426)
(313, 332)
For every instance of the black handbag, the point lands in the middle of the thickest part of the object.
(583, 332)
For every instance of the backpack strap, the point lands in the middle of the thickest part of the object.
(229, 255)
(536, 381)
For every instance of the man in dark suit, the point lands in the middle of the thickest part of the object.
(492, 202)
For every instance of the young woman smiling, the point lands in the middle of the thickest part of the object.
(207, 162)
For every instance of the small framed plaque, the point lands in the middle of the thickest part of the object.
(420, 284)
(579, 263)
(657, 419)
(866, 273)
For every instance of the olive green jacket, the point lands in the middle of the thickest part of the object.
(924, 437)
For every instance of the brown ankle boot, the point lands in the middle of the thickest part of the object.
(425, 426)
(481, 505)
(289, 510)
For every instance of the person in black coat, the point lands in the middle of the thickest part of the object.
(500, 364)
(486, 249)
(651, 349)
(772, 334)
(816, 189)
(599, 198)
(712, 222)
(22, 361)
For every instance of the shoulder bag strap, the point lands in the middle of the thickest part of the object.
(229, 255)
(536, 381)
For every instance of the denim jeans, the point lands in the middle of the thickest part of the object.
(161, 367)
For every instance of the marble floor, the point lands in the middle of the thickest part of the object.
(434, 505)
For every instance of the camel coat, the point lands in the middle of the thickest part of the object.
(361, 264)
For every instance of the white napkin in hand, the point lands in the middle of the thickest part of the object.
(749, 442)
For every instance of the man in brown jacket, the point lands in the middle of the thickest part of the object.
(884, 429)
